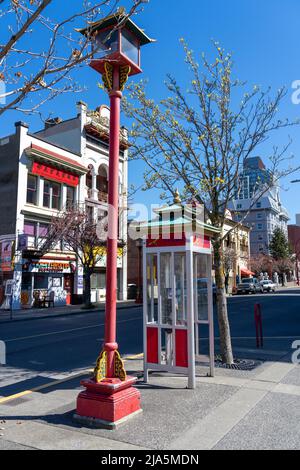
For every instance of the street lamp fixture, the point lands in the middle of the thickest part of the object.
(110, 397)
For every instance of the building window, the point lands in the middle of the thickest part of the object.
(43, 230)
(259, 215)
(259, 226)
(89, 177)
(70, 197)
(56, 190)
(258, 205)
(40, 281)
(239, 206)
(30, 231)
(90, 214)
(36, 232)
(102, 184)
(52, 195)
(98, 280)
(47, 194)
(32, 189)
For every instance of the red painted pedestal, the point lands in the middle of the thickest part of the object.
(107, 404)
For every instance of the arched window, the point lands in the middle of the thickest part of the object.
(102, 179)
(89, 177)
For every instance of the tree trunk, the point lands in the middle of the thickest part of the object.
(87, 289)
(224, 327)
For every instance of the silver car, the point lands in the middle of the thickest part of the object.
(268, 286)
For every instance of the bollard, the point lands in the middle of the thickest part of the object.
(2, 353)
(258, 326)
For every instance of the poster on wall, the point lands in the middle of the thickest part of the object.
(9, 288)
(56, 281)
(22, 242)
(6, 256)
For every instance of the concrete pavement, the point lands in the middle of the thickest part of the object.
(237, 409)
(255, 410)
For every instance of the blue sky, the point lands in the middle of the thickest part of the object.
(263, 36)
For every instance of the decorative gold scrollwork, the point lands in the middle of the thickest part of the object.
(100, 371)
(124, 74)
(101, 367)
(120, 372)
(107, 76)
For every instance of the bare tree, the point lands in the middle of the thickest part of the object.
(229, 259)
(199, 139)
(38, 53)
(283, 266)
(81, 235)
(261, 264)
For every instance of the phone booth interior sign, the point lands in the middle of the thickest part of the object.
(178, 292)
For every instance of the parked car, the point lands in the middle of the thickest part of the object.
(268, 286)
(249, 285)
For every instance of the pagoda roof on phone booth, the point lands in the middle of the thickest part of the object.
(183, 217)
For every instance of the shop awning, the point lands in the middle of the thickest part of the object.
(246, 272)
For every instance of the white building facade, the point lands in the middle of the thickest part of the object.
(41, 173)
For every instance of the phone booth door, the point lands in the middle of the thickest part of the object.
(203, 309)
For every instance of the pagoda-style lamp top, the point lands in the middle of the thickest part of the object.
(118, 40)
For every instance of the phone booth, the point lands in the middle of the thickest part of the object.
(178, 293)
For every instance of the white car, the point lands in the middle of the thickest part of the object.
(268, 286)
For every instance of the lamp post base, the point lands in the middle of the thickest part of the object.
(107, 404)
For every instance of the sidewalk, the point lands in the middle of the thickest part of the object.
(38, 313)
(234, 410)
(289, 285)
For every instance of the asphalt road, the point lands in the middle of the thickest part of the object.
(57, 345)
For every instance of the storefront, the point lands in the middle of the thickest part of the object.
(6, 266)
(98, 278)
(41, 277)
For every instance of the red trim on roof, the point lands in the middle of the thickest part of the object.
(57, 155)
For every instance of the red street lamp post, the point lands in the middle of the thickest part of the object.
(110, 397)
(297, 250)
(139, 296)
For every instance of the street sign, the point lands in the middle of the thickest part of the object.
(9, 288)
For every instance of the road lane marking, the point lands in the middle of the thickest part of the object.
(133, 358)
(58, 382)
(67, 331)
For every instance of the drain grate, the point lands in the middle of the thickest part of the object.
(239, 364)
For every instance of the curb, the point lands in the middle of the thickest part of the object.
(66, 314)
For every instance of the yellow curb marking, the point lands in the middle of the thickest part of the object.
(57, 382)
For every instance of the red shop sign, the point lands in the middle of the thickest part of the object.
(55, 174)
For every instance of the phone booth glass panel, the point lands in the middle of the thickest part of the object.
(181, 290)
(201, 287)
(166, 288)
(152, 289)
